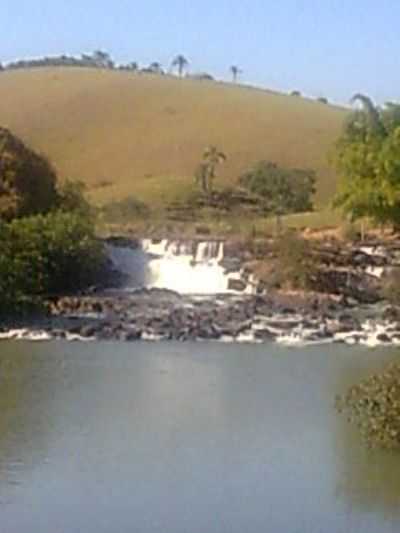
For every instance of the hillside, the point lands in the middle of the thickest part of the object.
(125, 133)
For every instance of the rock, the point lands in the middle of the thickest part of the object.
(391, 313)
(264, 334)
(237, 285)
(283, 324)
(88, 331)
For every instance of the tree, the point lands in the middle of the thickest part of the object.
(207, 170)
(155, 68)
(27, 179)
(235, 70)
(181, 63)
(281, 190)
(366, 157)
(102, 59)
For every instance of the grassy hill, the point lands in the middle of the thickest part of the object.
(134, 134)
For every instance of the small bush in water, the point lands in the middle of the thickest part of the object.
(374, 406)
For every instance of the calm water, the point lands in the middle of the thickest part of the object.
(187, 438)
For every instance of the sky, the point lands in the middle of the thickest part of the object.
(331, 48)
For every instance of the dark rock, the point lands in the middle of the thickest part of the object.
(264, 334)
(237, 285)
(391, 314)
(383, 337)
(283, 324)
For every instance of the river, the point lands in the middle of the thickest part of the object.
(187, 438)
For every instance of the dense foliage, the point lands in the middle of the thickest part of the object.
(47, 240)
(367, 157)
(27, 180)
(282, 190)
(374, 407)
(44, 255)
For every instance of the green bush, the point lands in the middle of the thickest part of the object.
(46, 255)
(374, 407)
(71, 198)
(281, 190)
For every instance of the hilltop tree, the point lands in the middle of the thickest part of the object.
(102, 59)
(155, 67)
(281, 190)
(181, 63)
(207, 170)
(235, 70)
(367, 159)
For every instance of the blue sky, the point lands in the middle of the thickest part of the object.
(330, 48)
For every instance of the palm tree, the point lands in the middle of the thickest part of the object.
(206, 171)
(235, 70)
(181, 63)
(372, 114)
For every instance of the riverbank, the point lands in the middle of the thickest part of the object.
(227, 291)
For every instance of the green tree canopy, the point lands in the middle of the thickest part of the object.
(367, 157)
(282, 190)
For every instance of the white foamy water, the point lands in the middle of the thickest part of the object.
(183, 267)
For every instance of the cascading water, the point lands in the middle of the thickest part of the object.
(184, 267)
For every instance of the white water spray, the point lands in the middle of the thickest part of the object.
(186, 267)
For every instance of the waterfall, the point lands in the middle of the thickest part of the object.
(186, 267)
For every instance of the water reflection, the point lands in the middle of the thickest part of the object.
(367, 479)
(26, 388)
(187, 437)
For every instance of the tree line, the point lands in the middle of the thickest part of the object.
(103, 60)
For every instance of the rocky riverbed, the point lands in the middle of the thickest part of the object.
(346, 305)
(152, 314)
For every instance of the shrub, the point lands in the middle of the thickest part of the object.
(322, 100)
(45, 255)
(295, 93)
(374, 407)
(71, 198)
(282, 190)
(294, 263)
